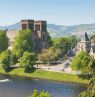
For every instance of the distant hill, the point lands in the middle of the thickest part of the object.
(61, 30)
(15, 26)
(78, 30)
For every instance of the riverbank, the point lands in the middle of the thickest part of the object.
(63, 77)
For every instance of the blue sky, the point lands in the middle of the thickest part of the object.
(63, 12)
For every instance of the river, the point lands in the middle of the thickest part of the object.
(23, 87)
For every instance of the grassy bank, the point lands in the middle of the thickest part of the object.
(47, 75)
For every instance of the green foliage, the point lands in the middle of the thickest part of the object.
(93, 38)
(80, 61)
(28, 60)
(35, 94)
(73, 41)
(83, 62)
(49, 40)
(49, 55)
(3, 41)
(91, 85)
(5, 59)
(87, 94)
(42, 94)
(65, 43)
(90, 91)
(60, 42)
(23, 42)
(13, 59)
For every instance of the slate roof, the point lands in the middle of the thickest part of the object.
(86, 37)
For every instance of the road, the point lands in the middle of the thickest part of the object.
(63, 67)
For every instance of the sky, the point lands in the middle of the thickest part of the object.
(61, 12)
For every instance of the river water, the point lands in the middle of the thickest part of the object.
(23, 87)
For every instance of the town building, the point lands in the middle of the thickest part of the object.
(86, 45)
(39, 31)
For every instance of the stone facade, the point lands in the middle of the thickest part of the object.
(27, 24)
(39, 29)
(86, 45)
(11, 36)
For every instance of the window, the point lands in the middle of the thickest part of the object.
(24, 26)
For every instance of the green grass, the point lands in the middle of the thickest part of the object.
(47, 75)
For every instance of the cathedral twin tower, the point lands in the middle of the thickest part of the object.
(39, 29)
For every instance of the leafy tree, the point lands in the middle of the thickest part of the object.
(28, 60)
(80, 61)
(73, 41)
(5, 59)
(90, 91)
(91, 86)
(23, 42)
(42, 94)
(65, 43)
(93, 38)
(84, 63)
(35, 94)
(61, 43)
(49, 40)
(3, 41)
(13, 59)
(87, 94)
(49, 55)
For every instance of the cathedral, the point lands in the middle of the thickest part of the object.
(86, 44)
(39, 29)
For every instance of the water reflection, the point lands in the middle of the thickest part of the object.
(4, 80)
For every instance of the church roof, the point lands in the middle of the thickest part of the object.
(86, 37)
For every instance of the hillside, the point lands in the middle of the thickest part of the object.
(60, 30)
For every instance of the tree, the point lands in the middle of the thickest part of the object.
(5, 59)
(23, 42)
(87, 94)
(49, 40)
(81, 61)
(35, 94)
(49, 55)
(90, 91)
(61, 43)
(91, 86)
(85, 63)
(73, 41)
(13, 59)
(3, 41)
(28, 60)
(42, 94)
(65, 43)
(93, 38)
